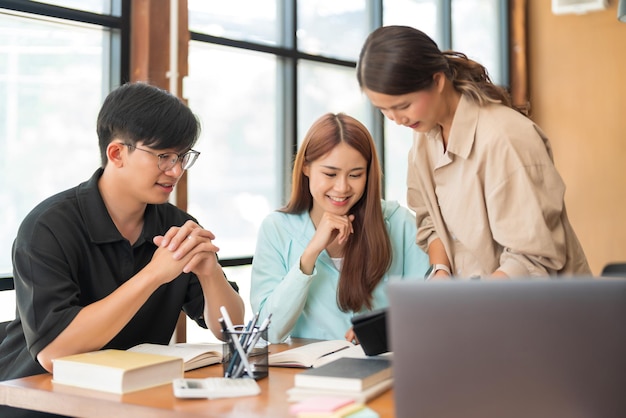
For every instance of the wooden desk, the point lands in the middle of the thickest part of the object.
(39, 393)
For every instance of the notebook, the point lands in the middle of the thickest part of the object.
(522, 348)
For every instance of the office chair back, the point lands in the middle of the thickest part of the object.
(3, 330)
(614, 270)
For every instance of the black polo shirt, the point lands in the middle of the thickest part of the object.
(68, 254)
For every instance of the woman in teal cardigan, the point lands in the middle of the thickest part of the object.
(329, 253)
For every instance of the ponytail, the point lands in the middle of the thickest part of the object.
(472, 79)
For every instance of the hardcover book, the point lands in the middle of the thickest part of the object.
(116, 371)
(346, 374)
(296, 394)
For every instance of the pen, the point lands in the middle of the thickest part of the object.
(255, 339)
(245, 341)
(245, 338)
(235, 340)
(336, 351)
(257, 335)
(225, 331)
(231, 347)
(234, 354)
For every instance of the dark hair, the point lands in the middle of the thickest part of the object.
(137, 112)
(368, 252)
(398, 60)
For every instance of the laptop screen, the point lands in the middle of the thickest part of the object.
(515, 348)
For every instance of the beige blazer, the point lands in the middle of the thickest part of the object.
(494, 197)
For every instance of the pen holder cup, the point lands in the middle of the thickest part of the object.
(254, 344)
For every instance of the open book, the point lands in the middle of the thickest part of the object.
(315, 354)
(193, 355)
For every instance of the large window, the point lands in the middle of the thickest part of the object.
(56, 66)
(232, 183)
(261, 71)
(478, 28)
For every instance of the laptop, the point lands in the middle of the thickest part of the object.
(507, 349)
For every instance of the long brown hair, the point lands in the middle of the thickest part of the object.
(368, 252)
(398, 60)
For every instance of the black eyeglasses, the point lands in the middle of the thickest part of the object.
(168, 160)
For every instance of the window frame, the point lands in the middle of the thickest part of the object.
(289, 55)
(117, 70)
(119, 67)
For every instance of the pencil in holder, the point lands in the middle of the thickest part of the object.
(251, 342)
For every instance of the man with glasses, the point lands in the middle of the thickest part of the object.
(110, 263)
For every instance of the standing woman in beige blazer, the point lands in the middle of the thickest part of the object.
(488, 199)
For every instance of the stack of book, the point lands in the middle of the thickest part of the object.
(360, 379)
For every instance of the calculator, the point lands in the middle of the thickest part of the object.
(215, 387)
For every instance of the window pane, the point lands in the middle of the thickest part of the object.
(245, 20)
(7, 305)
(420, 14)
(95, 6)
(234, 184)
(476, 32)
(326, 88)
(398, 141)
(423, 15)
(332, 28)
(51, 88)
